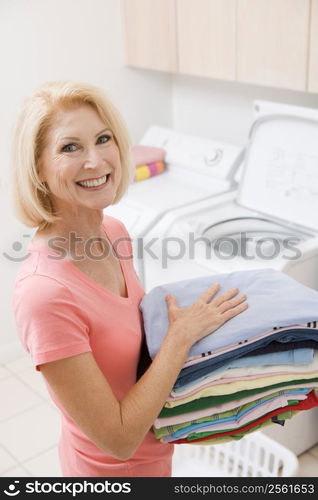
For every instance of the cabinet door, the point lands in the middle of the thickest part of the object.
(149, 28)
(313, 49)
(272, 42)
(206, 38)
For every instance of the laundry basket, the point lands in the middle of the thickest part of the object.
(252, 456)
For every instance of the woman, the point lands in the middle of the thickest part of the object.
(77, 305)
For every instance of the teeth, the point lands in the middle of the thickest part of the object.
(94, 183)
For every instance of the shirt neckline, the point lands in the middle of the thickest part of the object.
(34, 247)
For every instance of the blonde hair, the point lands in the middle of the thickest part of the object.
(32, 203)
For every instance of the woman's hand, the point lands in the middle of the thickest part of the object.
(205, 315)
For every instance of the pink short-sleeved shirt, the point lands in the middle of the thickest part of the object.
(61, 312)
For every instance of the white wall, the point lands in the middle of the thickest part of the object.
(224, 110)
(43, 40)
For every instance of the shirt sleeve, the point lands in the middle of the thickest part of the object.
(49, 322)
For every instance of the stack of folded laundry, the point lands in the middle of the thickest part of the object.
(149, 161)
(259, 368)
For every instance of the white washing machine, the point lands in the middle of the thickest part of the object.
(270, 221)
(196, 169)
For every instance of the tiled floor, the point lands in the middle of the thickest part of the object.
(30, 426)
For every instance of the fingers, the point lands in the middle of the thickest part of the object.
(171, 301)
(209, 293)
(235, 311)
(225, 296)
(229, 304)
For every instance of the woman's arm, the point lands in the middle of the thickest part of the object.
(118, 427)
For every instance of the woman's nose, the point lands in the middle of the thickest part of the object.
(93, 159)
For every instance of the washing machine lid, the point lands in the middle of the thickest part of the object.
(280, 173)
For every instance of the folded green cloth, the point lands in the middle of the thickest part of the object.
(236, 437)
(235, 412)
(202, 403)
(198, 435)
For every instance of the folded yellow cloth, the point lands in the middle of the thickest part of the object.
(148, 160)
(146, 171)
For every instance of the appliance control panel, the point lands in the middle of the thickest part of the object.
(206, 156)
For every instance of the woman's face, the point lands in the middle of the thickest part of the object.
(80, 161)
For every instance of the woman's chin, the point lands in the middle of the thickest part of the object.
(100, 204)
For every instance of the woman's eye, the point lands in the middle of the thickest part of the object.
(68, 148)
(104, 138)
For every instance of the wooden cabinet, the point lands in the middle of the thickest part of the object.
(313, 50)
(206, 38)
(150, 35)
(272, 42)
(264, 42)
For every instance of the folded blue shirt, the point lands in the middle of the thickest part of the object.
(275, 300)
(201, 370)
(302, 356)
(293, 357)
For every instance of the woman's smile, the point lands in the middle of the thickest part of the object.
(95, 183)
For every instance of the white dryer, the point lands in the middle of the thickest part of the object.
(270, 221)
(196, 169)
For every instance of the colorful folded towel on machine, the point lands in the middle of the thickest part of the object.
(259, 368)
(149, 161)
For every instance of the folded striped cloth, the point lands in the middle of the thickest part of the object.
(148, 160)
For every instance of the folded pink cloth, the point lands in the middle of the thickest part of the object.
(143, 155)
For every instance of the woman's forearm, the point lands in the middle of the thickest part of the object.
(141, 406)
